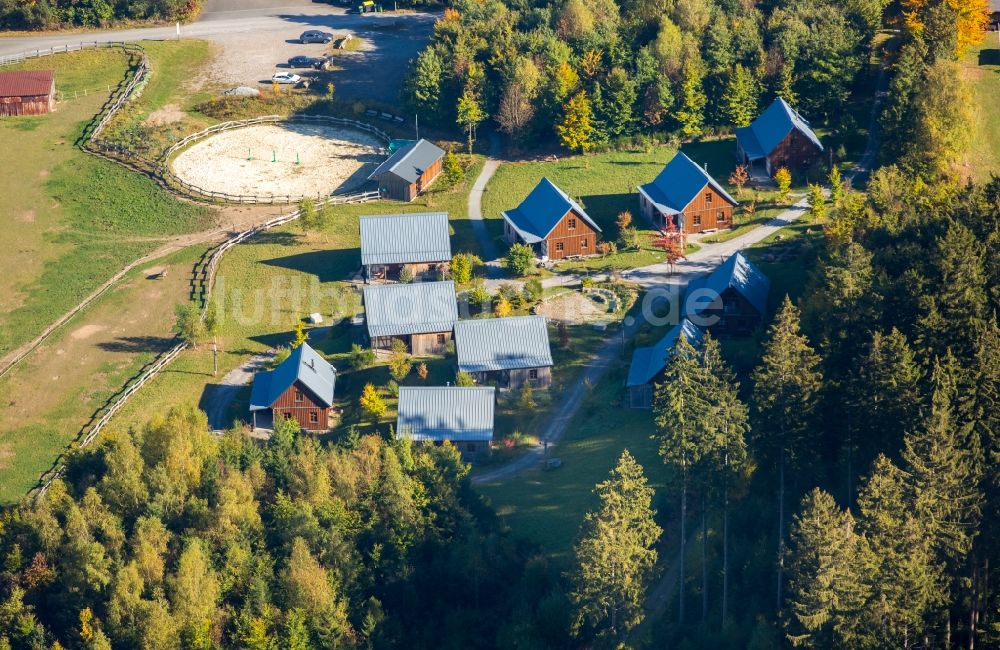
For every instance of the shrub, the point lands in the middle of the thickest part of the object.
(399, 363)
(392, 388)
(462, 267)
(406, 274)
(464, 379)
(503, 307)
(480, 295)
(361, 358)
(532, 291)
(520, 259)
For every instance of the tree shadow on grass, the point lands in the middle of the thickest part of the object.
(989, 57)
(274, 238)
(326, 265)
(605, 208)
(134, 344)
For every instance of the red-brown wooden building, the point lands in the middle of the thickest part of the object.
(300, 388)
(684, 196)
(27, 92)
(553, 224)
(779, 137)
(409, 171)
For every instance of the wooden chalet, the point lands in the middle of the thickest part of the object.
(730, 301)
(409, 171)
(421, 314)
(779, 137)
(460, 415)
(27, 92)
(685, 197)
(418, 242)
(509, 352)
(553, 224)
(300, 388)
(648, 363)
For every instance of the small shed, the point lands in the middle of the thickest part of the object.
(459, 414)
(730, 301)
(27, 92)
(648, 363)
(421, 314)
(392, 242)
(409, 170)
(300, 388)
(510, 351)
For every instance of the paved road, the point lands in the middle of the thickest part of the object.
(653, 277)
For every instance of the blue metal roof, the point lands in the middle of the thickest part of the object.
(648, 362)
(304, 365)
(446, 413)
(736, 273)
(771, 127)
(542, 210)
(488, 344)
(679, 183)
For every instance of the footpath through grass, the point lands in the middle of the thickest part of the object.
(77, 219)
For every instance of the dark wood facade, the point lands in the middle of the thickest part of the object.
(298, 403)
(571, 237)
(796, 152)
(709, 210)
(394, 187)
(418, 344)
(731, 315)
(422, 271)
(537, 378)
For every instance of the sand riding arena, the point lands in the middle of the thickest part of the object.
(280, 159)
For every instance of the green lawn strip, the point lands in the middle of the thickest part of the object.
(36, 445)
(741, 227)
(982, 68)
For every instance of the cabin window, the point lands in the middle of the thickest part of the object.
(583, 243)
(559, 247)
(708, 197)
(313, 417)
(722, 215)
(533, 373)
(298, 395)
(696, 219)
(287, 415)
(440, 339)
(571, 224)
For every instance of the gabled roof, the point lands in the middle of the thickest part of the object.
(304, 365)
(679, 183)
(542, 210)
(405, 238)
(446, 413)
(414, 308)
(648, 362)
(736, 273)
(26, 83)
(771, 127)
(487, 344)
(410, 161)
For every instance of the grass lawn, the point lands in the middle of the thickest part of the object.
(982, 69)
(76, 219)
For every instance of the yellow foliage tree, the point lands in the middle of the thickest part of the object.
(503, 307)
(372, 402)
(971, 19)
(576, 126)
(783, 178)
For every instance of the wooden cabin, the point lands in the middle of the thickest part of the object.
(409, 171)
(730, 301)
(300, 388)
(779, 137)
(421, 314)
(649, 363)
(553, 224)
(460, 415)
(685, 197)
(507, 352)
(27, 92)
(418, 242)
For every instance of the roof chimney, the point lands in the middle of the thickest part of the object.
(312, 364)
(705, 165)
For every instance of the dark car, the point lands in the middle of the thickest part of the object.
(316, 36)
(306, 62)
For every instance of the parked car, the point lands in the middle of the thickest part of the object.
(306, 62)
(315, 36)
(286, 78)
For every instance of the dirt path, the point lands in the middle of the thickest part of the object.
(226, 391)
(650, 277)
(475, 205)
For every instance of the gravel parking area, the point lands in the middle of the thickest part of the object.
(330, 159)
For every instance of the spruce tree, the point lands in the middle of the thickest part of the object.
(682, 415)
(786, 385)
(614, 556)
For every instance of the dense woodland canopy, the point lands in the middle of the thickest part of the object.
(51, 14)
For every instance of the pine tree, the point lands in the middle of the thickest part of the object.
(682, 415)
(836, 186)
(786, 385)
(817, 202)
(829, 578)
(614, 557)
(691, 112)
(741, 97)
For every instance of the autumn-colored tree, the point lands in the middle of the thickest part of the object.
(451, 168)
(783, 178)
(624, 220)
(372, 402)
(464, 379)
(817, 202)
(576, 127)
(591, 62)
(301, 336)
(526, 399)
(470, 114)
(399, 362)
(739, 178)
(971, 19)
(671, 242)
(422, 371)
(836, 186)
(503, 306)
